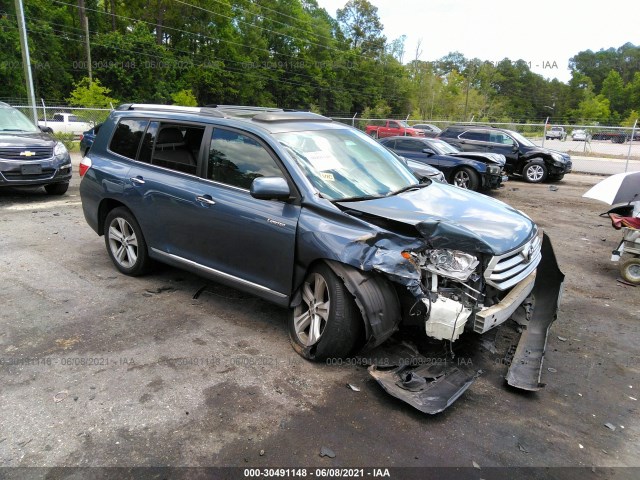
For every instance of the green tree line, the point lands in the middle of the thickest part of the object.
(294, 54)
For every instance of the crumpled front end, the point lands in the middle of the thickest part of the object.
(453, 290)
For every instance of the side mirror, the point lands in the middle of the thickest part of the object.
(270, 188)
(45, 129)
(428, 151)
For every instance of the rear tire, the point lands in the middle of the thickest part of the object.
(125, 243)
(630, 270)
(535, 171)
(57, 188)
(466, 177)
(327, 323)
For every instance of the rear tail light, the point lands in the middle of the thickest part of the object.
(85, 165)
(81, 136)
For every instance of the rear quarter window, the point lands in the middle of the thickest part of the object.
(126, 139)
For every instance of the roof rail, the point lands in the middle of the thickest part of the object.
(170, 108)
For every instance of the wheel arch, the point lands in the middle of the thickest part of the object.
(106, 205)
(375, 297)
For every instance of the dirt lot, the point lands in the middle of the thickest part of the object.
(99, 369)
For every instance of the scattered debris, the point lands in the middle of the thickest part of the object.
(580, 445)
(579, 394)
(553, 188)
(633, 398)
(610, 426)
(327, 452)
(161, 289)
(262, 453)
(562, 339)
(624, 282)
(353, 387)
(522, 449)
(60, 396)
(552, 370)
(476, 465)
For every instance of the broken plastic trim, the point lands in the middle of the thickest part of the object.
(429, 388)
(526, 366)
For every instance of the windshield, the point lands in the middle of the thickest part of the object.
(442, 148)
(347, 164)
(12, 120)
(521, 140)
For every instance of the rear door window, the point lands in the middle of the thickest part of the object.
(126, 139)
(177, 146)
(410, 145)
(476, 135)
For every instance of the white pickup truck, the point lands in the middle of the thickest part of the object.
(66, 123)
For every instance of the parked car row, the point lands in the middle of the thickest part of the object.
(523, 158)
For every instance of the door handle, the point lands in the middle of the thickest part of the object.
(205, 199)
(137, 180)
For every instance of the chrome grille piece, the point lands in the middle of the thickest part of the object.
(505, 271)
(26, 153)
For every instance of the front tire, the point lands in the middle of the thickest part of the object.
(57, 188)
(465, 177)
(535, 171)
(125, 243)
(327, 322)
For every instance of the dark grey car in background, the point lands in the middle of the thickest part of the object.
(29, 157)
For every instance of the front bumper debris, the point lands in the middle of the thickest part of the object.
(526, 366)
(430, 388)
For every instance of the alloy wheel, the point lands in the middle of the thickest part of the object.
(312, 315)
(123, 242)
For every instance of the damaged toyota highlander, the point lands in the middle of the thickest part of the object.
(319, 218)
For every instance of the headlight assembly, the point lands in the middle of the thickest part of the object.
(558, 158)
(494, 169)
(451, 263)
(60, 150)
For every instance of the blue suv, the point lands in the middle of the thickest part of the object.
(317, 217)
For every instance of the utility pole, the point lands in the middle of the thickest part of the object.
(86, 36)
(26, 59)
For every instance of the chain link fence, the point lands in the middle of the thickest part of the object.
(594, 148)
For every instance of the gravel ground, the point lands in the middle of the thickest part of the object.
(104, 370)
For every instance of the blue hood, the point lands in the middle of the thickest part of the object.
(452, 217)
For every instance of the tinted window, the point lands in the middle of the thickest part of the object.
(410, 145)
(147, 143)
(176, 147)
(501, 138)
(477, 135)
(126, 138)
(236, 159)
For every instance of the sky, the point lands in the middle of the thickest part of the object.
(544, 33)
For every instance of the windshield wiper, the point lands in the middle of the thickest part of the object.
(13, 130)
(407, 188)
